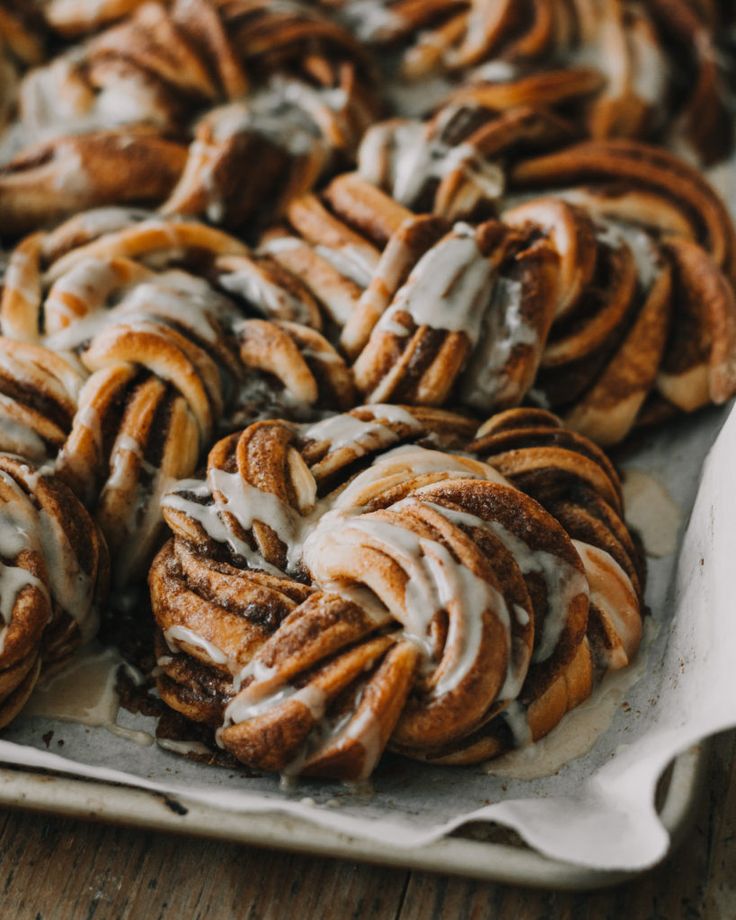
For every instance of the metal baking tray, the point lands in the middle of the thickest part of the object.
(479, 851)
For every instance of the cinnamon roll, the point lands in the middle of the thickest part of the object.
(122, 361)
(250, 158)
(336, 588)
(620, 68)
(70, 174)
(589, 298)
(274, 98)
(53, 577)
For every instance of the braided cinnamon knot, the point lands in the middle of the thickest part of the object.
(250, 158)
(620, 68)
(65, 175)
(611, 304)
(335, 588)
(53, 577)
(284, 96)
(123, 361)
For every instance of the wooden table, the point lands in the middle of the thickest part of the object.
(58, 869)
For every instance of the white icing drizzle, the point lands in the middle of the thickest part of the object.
(651, 71)
(646, 255)
(256, 669)
(652, 512)
(13, 580)
(351, 261)
(19, 531)
(517, 721)
(248, 503)
(88, 417)
(252, 283)
(612, 593)
(70, 587)
(278, 244)
(20, 276)
(287, 112)
(411, 157)
(125, 448)
(363, 436)
(215, 526)
(172, 297)
(563, 580)
(24, 526)
(485, 380)
(82, 283)
(100, 221)
(15, 436)
(249, 703)
(406, 462)
(495, 72)
(370, 20)
(183, 747)
(449, 288)
(435, 582)
(359, 724)
(175, 635)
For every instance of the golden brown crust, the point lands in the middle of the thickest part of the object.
(95, 125)
(348, 642)
(123, 359)
(621, 69)
(69, 174)
(588, 303)
(53, 579)
(392, 576)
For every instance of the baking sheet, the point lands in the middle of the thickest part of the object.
(483, 851)
(596, 811)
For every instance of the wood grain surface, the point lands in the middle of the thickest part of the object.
(58, 869)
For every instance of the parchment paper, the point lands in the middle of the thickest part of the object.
(597, 810)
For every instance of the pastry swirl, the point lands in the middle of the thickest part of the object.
(354, 563)
(599, 303)
(622, 69)
(316, 612)
(124, 361)
(65, 175)
(271, 99)
(53, 577)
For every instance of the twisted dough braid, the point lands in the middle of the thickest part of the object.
(60, 177)
(172, 60)
(284, 94)
(335, 588)
(608, 298)
(120, 362)
(642, 70)
(53, 577)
